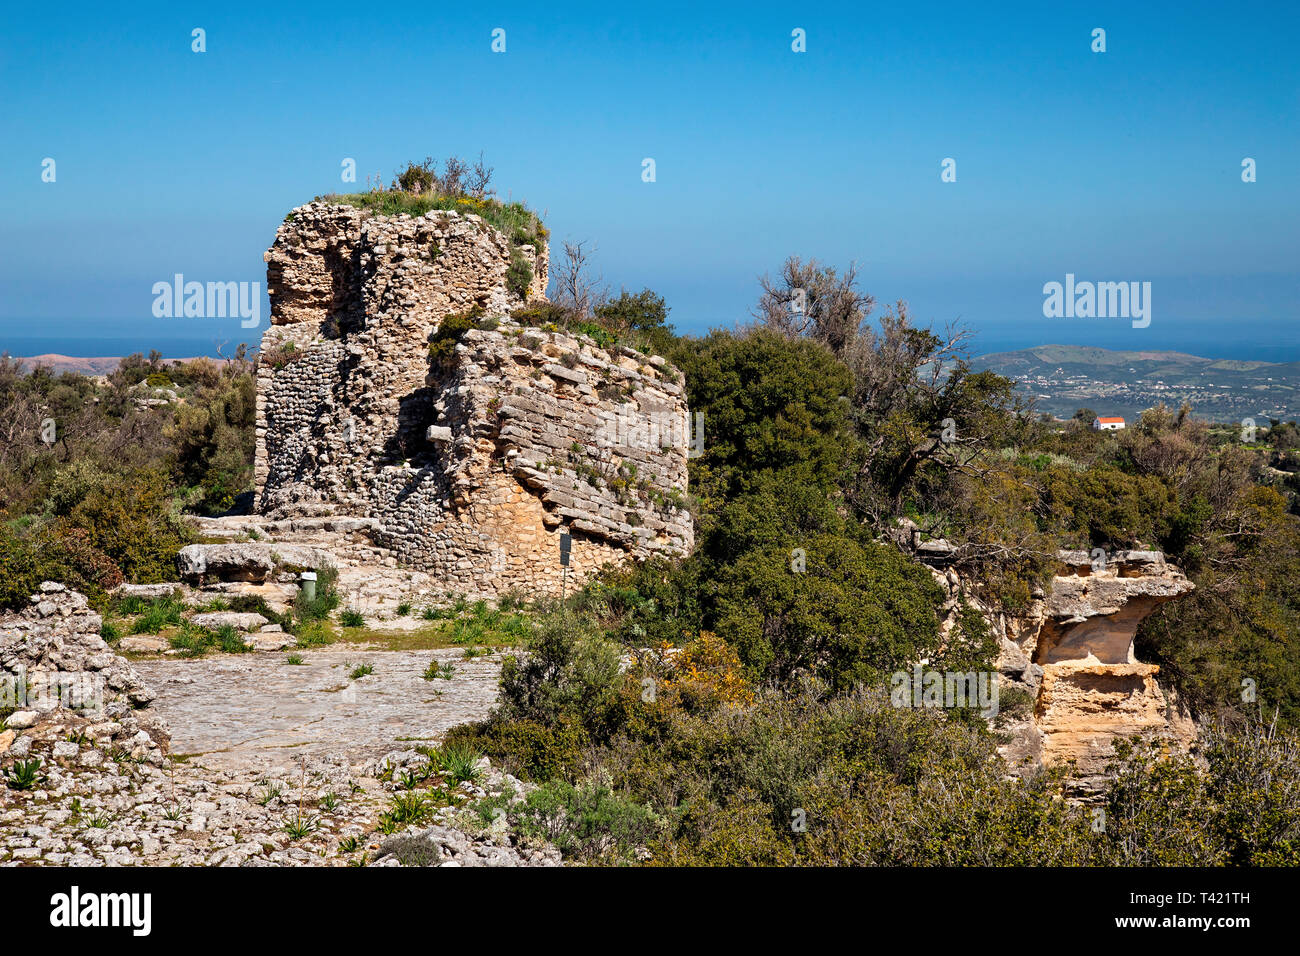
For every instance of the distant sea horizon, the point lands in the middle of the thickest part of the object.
(1260, 341)
(1245, 341)
(75, 346)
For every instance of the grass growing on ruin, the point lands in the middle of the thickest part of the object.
(519, 223)
(166, 618)
(442, 347)
(432, 637)
(155, 615)
(194, 641)
(436, 671)
(315, 634)
(110, 630)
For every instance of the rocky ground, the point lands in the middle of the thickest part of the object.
(241, 759)
(257, 713)
(92, 807)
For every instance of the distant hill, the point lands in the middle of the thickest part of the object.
(1065, 378)
(85, 366)
(68, 363)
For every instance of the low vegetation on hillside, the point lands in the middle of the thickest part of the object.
(752, 726)
(729, 707)
(95, 475)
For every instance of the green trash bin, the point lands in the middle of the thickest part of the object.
(308, 585)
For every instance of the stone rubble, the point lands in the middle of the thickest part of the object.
(94, 783)
(54, 643)
(96, 806)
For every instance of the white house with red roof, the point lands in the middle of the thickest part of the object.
(1107, 424)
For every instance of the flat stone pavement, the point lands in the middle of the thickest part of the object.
(254, 712)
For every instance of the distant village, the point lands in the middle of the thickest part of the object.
(1061, 393)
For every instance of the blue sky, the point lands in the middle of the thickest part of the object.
(1123, 165)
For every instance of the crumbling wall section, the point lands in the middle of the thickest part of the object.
(473, 464)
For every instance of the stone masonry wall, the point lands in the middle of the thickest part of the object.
(472, 467)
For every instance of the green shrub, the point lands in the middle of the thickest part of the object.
(418, 178)
(587, 823)
(519, 275)
(131, 519)
(459, 761)
(230, 640)
(283, 354)
(594, 330)
(857, 613)
(19, 574)
(193, 641)
(640, 319)
(213, 435)
(539, 315)
(569, 670)
(771, 405)
(526, 748)
(442, 347)
(410, 851)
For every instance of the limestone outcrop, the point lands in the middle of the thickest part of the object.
(1069, 657)
(470, 464)
(1093, 688)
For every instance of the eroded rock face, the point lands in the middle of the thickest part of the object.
(1085, 705)
(1093, 688)
(471, 465)
(1070, 654)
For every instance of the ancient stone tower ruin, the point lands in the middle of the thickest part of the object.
(473, 459)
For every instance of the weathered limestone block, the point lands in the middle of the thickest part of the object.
(1084, 705)
(246, 621)
(245, 561)
(226, 562)
(1094, 689)
(143, 644)
(147, 591)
